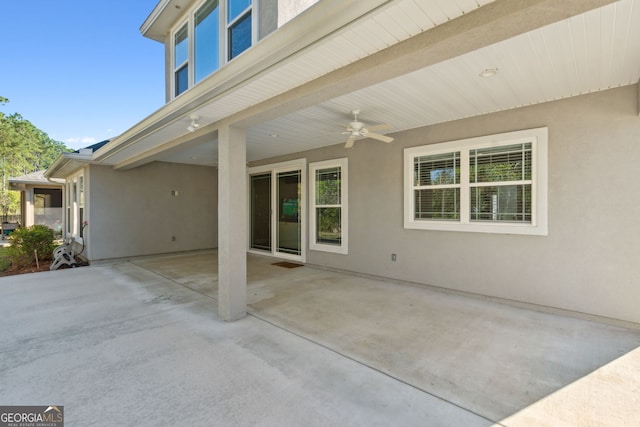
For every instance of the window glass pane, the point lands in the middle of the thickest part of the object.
(240, 36)
(328, 186)
(182, 80)
(261, 212)
(438, 169)
(506, 163)
(501, 203)
(438, 204)
(81, 191)
(328, 227)
(206, 40)
(181, 46)
(235, 7)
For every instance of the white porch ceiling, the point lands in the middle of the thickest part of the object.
(597, 50)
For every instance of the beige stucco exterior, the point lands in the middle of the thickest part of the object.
(588, 261)
(583, 262)
(136, 212)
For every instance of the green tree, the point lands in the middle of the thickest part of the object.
(23, 149)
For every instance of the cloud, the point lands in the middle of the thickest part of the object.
(83, 140)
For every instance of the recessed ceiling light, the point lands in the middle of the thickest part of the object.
(489, 72)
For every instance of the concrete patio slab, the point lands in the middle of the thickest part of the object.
(139, 343)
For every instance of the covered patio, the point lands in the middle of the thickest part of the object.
(138, 342)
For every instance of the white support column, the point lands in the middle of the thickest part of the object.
(232, 223)
(29, 207)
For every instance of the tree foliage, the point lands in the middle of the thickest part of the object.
(23, 149)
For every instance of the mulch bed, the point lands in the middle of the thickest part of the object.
(11, 271)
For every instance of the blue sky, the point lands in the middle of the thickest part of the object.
(79, 69)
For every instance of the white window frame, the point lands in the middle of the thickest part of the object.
(223, 37)
(252, 9)
(539, 210)
(187, 62)
(274, 169)
(343, 247)
(76, 199)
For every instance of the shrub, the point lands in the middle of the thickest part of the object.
(25, 241)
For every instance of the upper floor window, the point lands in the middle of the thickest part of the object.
(238, 26)
(493, 184)
(216, 31)
(181, 60)
(206, 39)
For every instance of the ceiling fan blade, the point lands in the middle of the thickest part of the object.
(350, 141)
(379, 137)
(377, 128)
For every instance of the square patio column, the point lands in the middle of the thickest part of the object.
(232, 223)
(29, 214)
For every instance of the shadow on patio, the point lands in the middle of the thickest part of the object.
(506, 364)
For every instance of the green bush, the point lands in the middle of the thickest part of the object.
(25, 241)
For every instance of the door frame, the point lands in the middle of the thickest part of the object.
(274, 169)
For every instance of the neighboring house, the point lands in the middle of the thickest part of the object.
(40, 200)
(511, 174)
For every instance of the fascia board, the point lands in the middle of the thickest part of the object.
(316, 23)
(65, 164)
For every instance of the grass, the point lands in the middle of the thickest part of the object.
(4, 259)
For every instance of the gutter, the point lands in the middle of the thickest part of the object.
(68, 159)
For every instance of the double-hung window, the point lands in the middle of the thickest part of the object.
(328, 197)
(181, 60)
(238, 27)
(492, 184)
(215, 32)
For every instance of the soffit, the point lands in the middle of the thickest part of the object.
(596, 50)
(386, 25)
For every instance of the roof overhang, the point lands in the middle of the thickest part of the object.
(263, 59)
(162, 18)
(312, 60)
(67, 164)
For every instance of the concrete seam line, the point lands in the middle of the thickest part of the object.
(253, 314)
(173, 281)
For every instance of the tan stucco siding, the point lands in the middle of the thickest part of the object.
(588, 261)
(135, 212)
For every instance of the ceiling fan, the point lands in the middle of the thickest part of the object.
(357, 129)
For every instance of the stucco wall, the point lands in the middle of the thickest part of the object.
(134, 212)
(289, 9)
(587, 263)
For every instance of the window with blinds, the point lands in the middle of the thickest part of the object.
(495, 183)
(437, 186)
(500, 182)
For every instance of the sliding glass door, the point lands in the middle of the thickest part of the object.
(260, 217)
(276, 209)
(289, 189)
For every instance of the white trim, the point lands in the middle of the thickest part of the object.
(274, 168)
(538, 226)
(343, 164)
(223, 39)
(71, 211)
(187, 21)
